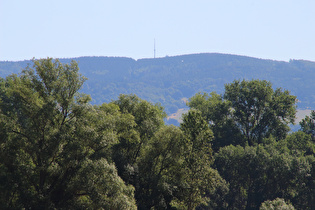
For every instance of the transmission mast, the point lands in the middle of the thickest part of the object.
(154, 48)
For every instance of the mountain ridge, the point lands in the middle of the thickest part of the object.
(167, 80)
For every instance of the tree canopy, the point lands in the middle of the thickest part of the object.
(247, 112)
(308, 124)
(231, 151)
(53, 143)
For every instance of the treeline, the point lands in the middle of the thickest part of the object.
(168, 80)
(232, 151)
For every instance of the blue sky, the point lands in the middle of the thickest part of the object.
(271, 29)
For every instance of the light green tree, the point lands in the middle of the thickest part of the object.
(197, 175)
(276, 204)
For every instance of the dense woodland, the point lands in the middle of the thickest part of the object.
(233, 150)
(168, 80)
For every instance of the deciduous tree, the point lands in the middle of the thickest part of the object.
(248, 112)
(308, 124)
(53, 143)
(259, 111)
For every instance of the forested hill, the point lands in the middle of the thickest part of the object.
(171, 80)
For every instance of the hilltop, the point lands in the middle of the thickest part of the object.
(171, 80)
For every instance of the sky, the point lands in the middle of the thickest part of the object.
(268, 29)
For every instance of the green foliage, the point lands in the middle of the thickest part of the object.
(297, 143)
(148, 117)
(308, 124)
(105, 189)
(140, 122)
(248, 112)
(259, 173)
(251, 113)
(197, 158)
(218, 113)
(54, 144)
(169, 159)
(160, 169)
(57, 151)
(216, 195)
(258, 111)
(276, 204)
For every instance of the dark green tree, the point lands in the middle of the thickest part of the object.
(160, 168)
(174, 168)
(248, 112)
(128, 140)
(259, 111)
(197, 174)
(259, 173)
(137, 125)
(308, 124)
(148, 118)
(54, 145)
(218, 114)
(297, 143)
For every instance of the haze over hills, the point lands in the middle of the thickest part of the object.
(172, 80)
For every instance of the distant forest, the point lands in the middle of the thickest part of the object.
(170, 81)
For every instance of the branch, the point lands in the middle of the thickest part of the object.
(22, 134)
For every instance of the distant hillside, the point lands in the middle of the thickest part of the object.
(169, 80)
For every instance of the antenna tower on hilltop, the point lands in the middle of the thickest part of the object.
(154, 48)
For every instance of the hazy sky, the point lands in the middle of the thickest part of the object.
(273, 29)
